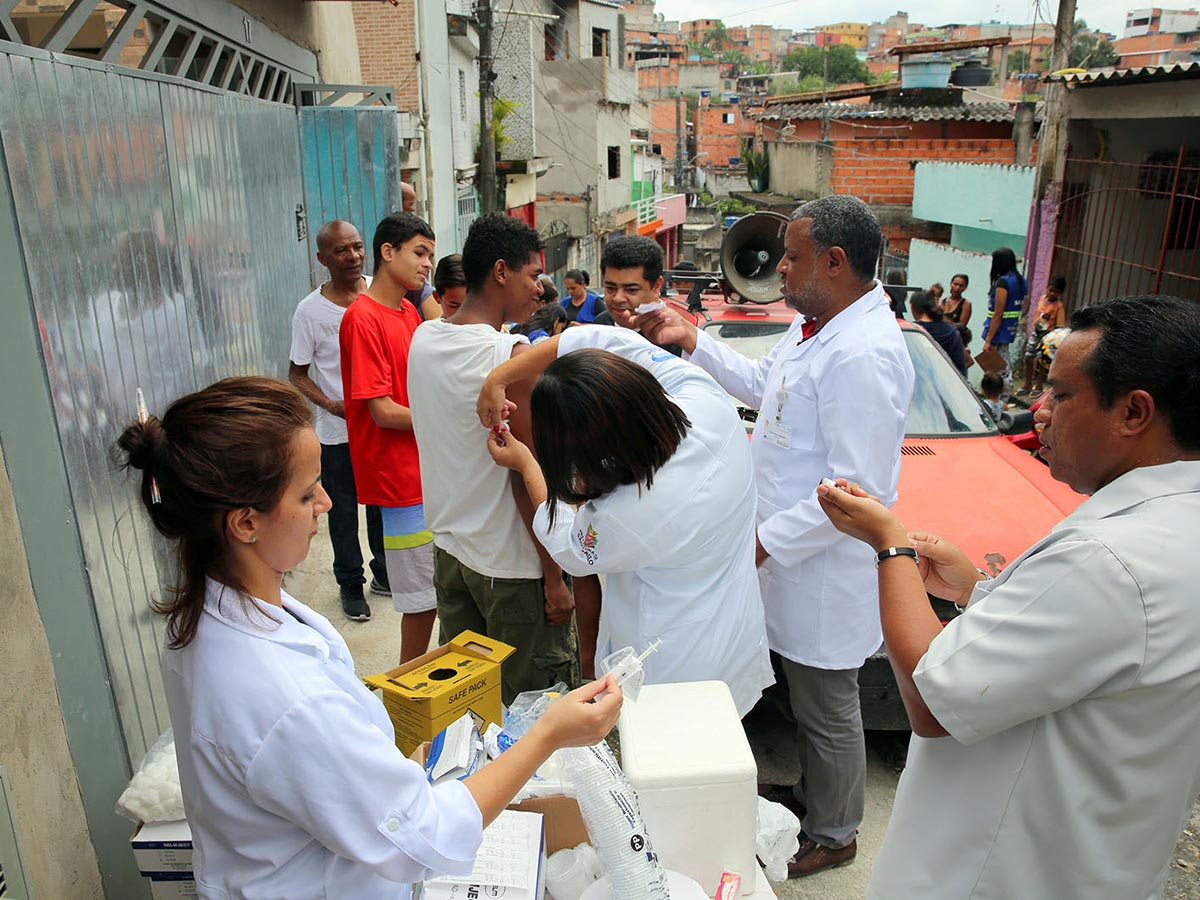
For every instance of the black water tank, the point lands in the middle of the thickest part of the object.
(972, 73)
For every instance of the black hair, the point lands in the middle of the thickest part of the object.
(496, 237)
(543, 318)
(992, 383)
(449, 273)
(1150, 343)
(843, 221)
(965, 333)
(1059, 281)
(549, 291)
(226, 447)
(966, 279)
(1004, 261)
(631, 251)
(574, 405)
(576, 275)
(587, 278)
(922, 303)
(398, 229)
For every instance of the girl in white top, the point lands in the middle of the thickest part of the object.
(291, 778)
(655, 452)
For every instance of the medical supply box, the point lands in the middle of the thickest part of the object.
(426, 694)
(685, 752)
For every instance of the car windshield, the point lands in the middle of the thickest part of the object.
(942, 405)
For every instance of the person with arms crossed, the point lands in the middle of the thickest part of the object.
(832, 397)
(1056, 722)
(375, 336)
(315, 327)
(291, 778)
(489, 574)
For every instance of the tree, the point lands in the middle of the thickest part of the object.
(704, 52)
(1018, 61)
(844, 67)
(717, 37)
(1090, 50)
(783, 86)
(739, 60)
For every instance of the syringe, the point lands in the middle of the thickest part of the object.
(627, 667)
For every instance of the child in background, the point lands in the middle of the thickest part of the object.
(992, 387)
(1051, 314)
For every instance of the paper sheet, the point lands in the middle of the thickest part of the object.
(504, 856)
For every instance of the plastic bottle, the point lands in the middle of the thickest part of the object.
(614, 821)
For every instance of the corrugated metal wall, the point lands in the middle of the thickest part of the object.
(158, 226)
(351, 169)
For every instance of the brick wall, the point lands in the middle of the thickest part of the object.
(718, 138)
(662, 125)
(387, 48)
(880, 171)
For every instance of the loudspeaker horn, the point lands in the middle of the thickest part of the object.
(750, 252)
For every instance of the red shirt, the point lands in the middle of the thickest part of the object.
(375, 342)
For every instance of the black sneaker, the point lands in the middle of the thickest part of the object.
(379, 588)
(354, 605)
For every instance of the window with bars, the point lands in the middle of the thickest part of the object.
(614, 162)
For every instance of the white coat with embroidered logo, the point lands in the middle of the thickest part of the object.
(678, 557)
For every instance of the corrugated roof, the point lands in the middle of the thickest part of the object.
(1174, 72)
(966, 112)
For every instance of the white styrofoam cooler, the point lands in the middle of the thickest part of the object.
(685, 753)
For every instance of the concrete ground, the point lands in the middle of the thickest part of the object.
(375, 646)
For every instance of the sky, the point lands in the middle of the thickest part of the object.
(1108, 15)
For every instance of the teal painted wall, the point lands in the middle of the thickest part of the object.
(975, 195)
(981, 240)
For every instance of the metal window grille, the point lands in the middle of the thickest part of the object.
(148, 35)
(1129, 228)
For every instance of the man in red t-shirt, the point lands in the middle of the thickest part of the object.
(375, 336)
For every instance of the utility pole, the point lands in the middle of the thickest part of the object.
(1060, 55)
(487, 79)
(678, 143)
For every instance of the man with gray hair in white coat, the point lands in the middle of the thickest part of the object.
(832, 396)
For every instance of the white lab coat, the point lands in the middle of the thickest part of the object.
(845, 395)
(291, 778)
(679, 555)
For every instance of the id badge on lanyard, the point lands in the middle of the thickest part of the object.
(776, 432)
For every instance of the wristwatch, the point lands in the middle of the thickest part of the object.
(883, 555)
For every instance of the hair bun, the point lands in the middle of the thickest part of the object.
(141, 443)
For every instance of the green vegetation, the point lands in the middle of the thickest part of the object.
(783, 86)
(758, 167)
(1088, 51)
(717, 37)
(843, 65)
(732, 206)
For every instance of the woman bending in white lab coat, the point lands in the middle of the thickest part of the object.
(656, 454)
(291, 778)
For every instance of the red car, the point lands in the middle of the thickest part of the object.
(959, 477)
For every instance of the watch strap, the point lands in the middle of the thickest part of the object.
(891, 552)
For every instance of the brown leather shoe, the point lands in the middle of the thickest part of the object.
(782, 794)
(813, 857)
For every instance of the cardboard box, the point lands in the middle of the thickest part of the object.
(162, 848)
(181, 888)
(426, 694)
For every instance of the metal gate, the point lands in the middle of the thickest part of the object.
(351, 159)
(158, 223)
(1129, 228)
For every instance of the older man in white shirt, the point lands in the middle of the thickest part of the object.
(1057, 722)
(832, 396)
